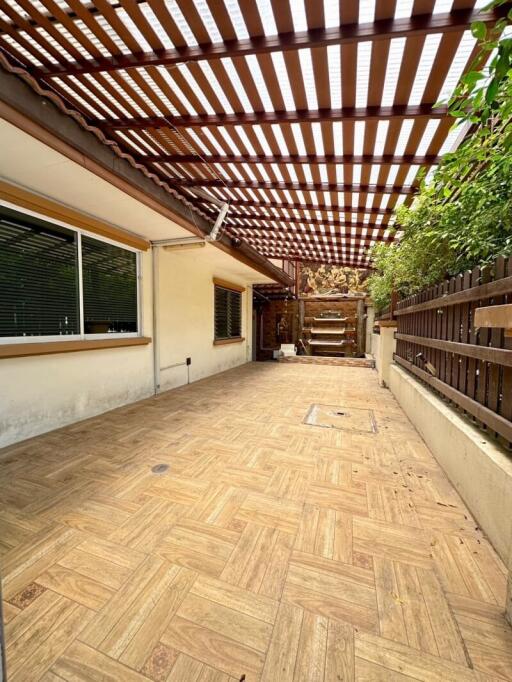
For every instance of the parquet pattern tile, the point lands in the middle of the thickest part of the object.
(270, 550)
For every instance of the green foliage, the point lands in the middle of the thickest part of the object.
(463, 216)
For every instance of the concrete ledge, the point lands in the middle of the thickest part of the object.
(480, 470)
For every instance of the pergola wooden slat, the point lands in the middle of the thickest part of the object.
(312, 118)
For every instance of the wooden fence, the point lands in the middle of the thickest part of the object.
(437, 341)
(388, 313)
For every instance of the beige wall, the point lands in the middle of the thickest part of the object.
(185, 316)
(44, 392)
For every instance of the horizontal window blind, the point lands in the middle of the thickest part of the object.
(228, 313)
(109, 275)
(38, 277)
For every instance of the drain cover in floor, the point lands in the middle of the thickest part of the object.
(160, 468)
(343, 418)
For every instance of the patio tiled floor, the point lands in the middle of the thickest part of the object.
(270, 549)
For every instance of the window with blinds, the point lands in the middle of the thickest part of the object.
(38, 278)
(41, 268)
(228, 313)
(109, 276)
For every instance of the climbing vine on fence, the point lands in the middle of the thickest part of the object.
(462, 215)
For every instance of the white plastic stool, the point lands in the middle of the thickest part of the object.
(288, 350)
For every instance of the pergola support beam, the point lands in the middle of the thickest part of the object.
(345, 159)
(369, 113)
(348, 34)
(295, 186)
(326, 240)
(304, 207)
(295, 256)
(257, 220)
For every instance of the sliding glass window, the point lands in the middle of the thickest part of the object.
(109, 276)
(57, 282)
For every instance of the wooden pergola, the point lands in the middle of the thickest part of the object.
(312, 118)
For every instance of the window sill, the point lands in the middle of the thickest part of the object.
(223, 342)
(21, 350)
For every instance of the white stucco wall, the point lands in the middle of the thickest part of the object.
(41, 393)
(186, 317)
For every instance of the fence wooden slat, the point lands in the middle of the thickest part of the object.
(465, 324)
(496, 341)
(449, 332)
(456, 334)
(442, 332)
(483, 340)
(506, 380)
(472, 376)
(437, 341)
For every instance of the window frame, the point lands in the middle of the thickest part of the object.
(82, 336)
(222, 284)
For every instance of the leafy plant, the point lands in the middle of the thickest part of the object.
(462, 217)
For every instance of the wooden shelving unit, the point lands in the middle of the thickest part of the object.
(332, 325)
(332, 333)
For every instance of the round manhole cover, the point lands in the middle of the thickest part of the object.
(160, 468)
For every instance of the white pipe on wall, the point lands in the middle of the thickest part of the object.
(179, 242)
(155, 299)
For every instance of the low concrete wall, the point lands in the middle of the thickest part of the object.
(480, 470)
(384, 345)
(375, 349)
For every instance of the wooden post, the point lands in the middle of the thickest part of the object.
(301, 322)
(495, 316)
(393, 304)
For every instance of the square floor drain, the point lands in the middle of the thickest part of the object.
(343, 418)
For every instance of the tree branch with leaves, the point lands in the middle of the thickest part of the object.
(462, 216)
